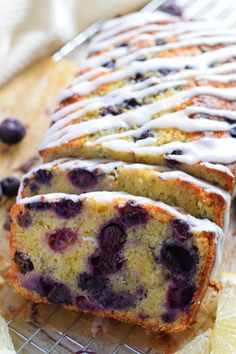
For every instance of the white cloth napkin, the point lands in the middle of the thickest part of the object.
(31, 29)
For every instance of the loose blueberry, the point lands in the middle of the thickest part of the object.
(233, 132)
(60, 239)
(82, 178)
(91, 283)
(43, 176)
(10, 186)
(23, 262)
(102, 263)
(112, 237)
(180, 229)
(59, 295)
(181, 262)
(24, 218)
(133, 214)
(180, 295)
(67, 208)
(12, 131)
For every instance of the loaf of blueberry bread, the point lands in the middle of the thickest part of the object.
(153, 90)
(114, 255)
(177, 188)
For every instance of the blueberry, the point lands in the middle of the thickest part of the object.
(23, 262)
(114, 110)
(102, 263)
(172, 8)
(123, 45)
(131, 103)
(10, 186)
(171, 161)
(160, 42)
(145, 135)
(59, 294)
(67, 208)
(24, 218)
(91, 283)
(141, 58)
(180, 295)
(56, 293)
(12, 131)
(164, 71)
(33, 187)
(112, 237)
(43, 176)
(82, 178)
(116, 300)
(180, 262)
(189, 67)
(133, 214)
(181, 229)
(60, 239)
(230, 121)
(168, 317)
(109, 64)
(138, 77)
(38, 206)
(233, 132)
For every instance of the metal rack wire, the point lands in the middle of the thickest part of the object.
(37, 339)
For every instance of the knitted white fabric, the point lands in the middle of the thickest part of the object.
(31, 29)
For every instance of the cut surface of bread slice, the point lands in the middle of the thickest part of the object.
(175, 188)
(114, 255)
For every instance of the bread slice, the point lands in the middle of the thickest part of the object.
(114, 255)
(176, 188)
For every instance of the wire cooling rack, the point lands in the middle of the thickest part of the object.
(35, 339)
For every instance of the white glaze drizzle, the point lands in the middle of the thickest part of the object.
(138, 91)
(199, 62)
(141, 116)
(220, 150)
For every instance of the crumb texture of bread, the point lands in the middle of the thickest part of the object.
(112, 254)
